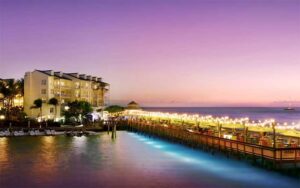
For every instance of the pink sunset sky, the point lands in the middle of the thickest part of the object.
(162, 53)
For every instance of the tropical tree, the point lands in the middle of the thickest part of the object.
(38, 103)
(78, 109)
(9, 90)
(20, 85)
(53, 101)
(114, 109)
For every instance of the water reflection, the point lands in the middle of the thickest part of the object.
(45, 164)
(130, 161)
(79, 144)
(3, 154)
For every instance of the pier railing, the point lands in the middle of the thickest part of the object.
(278, 155)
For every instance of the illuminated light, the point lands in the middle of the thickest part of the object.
(227, 136)
(149, 142)
(158, 146)
(67, 108)
(212, 121)
(2, 117)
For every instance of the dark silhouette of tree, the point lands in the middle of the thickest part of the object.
(53, 101)
(38, 103)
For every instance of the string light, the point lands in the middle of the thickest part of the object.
(194, 118)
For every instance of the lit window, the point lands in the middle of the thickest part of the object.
(51, 110)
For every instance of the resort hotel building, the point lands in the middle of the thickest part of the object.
(65, 87)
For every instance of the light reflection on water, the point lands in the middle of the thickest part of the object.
(3, 153)
(130, 161)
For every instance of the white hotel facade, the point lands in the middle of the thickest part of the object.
(65, 87)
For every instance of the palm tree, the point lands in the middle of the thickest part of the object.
(3, 91)
(38, 103)
(9, 89)
(53, 101)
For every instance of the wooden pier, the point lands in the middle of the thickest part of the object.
(266, 156)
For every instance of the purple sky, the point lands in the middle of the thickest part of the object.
(162, 53)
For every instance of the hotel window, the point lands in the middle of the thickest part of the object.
(44, 91)
(44, 82)
(51, 110)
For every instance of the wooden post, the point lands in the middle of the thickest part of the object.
(219, 135)
(274, 135)
(108, 123)
(114, 131)
(274, 145)
(245, 136)
(220, 128)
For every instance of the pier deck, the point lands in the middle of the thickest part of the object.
(278, 156)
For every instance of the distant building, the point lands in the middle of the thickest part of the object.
(133, 106)
(65, 87)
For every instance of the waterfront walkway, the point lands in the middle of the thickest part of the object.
(212, 143)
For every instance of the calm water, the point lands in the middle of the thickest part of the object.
(131, 161)
(237, 112)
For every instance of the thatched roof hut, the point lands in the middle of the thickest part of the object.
(133, 106)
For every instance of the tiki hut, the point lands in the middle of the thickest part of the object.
(133, 106)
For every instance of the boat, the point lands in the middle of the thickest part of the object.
(32, 132)
(79, 134)
(289, 109)
(5, 133)
(50, 132)
(69, 133)
(18, 133)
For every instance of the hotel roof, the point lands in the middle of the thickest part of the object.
(55, 74)
(62, 75)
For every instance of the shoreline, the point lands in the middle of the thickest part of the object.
(22, 132)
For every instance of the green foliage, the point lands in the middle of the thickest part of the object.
(9, 89)
(77, 109)
(114, 109)
(38, 103)
(17, 114)
(53, 101)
